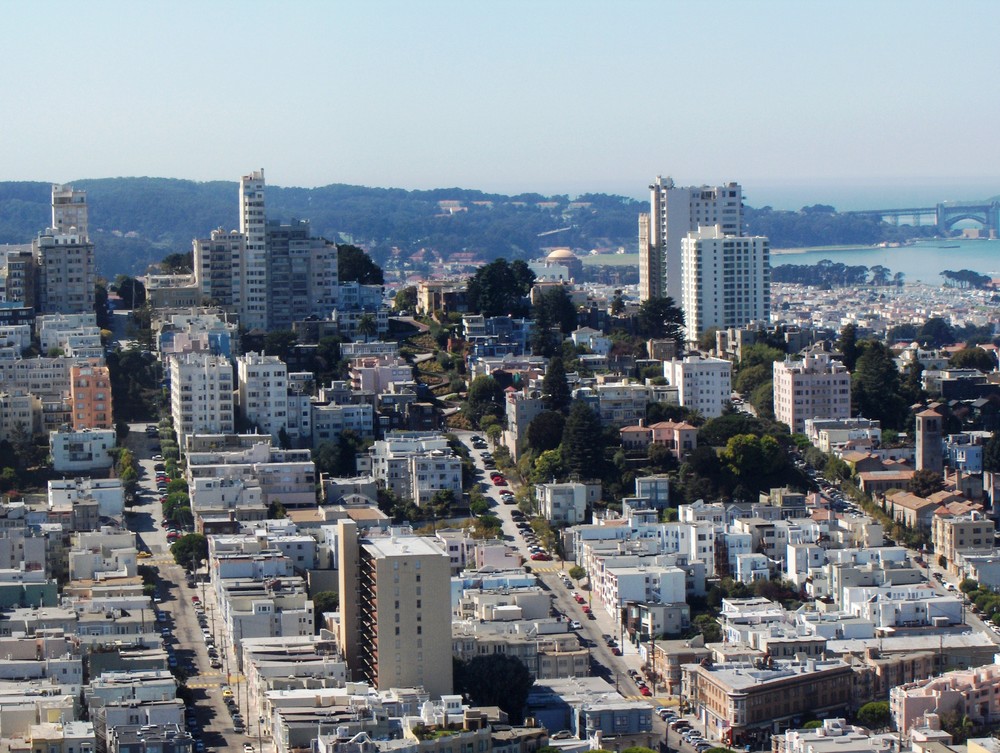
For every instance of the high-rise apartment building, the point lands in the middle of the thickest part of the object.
(263, 392)
(301, 273)
(67, 275)
(703, 384)
(218, 260)
(815, 387)
(725, 280)
(201, 395)
(20, 276)
(270, 274)
(675, 212)
(395, 615)
(253, 293)
(69, 211)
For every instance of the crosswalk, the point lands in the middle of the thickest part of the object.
(214, 680)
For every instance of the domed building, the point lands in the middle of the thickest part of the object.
(560, 265)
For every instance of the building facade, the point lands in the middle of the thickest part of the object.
(725, 280)
(201, 395)
(675, 212)
(397, 632)
(815, 387)
(703, 384)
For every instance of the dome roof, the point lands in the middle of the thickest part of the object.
(561, 254)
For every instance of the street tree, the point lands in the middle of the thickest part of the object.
(189, 550)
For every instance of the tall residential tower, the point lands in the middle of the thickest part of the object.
(673, 213)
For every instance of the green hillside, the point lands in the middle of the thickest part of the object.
(136, 221)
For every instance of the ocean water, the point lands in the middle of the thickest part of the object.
(922, 262)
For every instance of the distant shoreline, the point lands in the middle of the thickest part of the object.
(820, 249)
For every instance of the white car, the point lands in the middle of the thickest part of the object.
(575, 625)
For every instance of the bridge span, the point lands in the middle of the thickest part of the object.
(945, 215)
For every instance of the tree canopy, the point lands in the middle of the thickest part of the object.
(556, 395)
(545, 431)
(495, 680)
(875, 386)
(354, 265)
(582, 445)
(973, 358)
(497, 289)
(662, 319)
(485, 398)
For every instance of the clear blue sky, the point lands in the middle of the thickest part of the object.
(534, 95)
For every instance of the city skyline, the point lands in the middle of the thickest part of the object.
(787, 98)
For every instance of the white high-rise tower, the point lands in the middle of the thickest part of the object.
(252, 303)
(673, 213)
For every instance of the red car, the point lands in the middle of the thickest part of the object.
(195, 600)
(645, 692)
(541, 556)
(500, 481)
(586, 609)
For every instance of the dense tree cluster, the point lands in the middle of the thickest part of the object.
(500, 287)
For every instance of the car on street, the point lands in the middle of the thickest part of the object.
(157, 457)
(215, 664)
(247, 748)
(645, 692)
(575, 625)
(540, 557)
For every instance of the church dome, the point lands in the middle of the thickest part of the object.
(560, 255)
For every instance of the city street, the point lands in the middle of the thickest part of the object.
(186, 641)
(603, 662)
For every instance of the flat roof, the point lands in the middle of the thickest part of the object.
(399, 546)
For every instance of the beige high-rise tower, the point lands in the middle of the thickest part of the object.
(395, 610)
(65, 255)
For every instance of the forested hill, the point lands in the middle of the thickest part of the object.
(136, 221)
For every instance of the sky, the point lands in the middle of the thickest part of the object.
(802, 102)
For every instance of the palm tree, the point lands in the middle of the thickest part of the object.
(367, 326)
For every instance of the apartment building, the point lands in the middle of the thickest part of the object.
(416, 465)
(285, 476)
(65, 255)
(954, 535)
(815, 387)
(262, 396)
(329, 421)
(520, 409)
(217, 261)
(703, 383)
(301, 274)
(742, 704)
(19, 276)
(726, 280)
(201, 395)
(968, 692)
(562, 503)
(81, 451)
(396, 629)
(90, 397)
(674, 212)
(376, 373)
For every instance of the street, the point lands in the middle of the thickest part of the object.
(211, 720)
